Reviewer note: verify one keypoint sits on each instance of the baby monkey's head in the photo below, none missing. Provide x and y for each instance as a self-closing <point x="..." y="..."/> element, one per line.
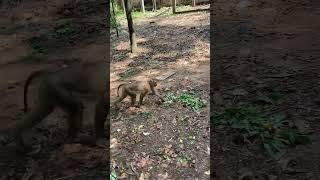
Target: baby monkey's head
<point x="153" y="82"/>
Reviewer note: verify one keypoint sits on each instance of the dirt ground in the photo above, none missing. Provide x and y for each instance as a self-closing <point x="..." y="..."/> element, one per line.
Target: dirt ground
<point x="158" y="141"/>
<point x="259" y="48"/>
<point x="35" y="35"/>
<point x="154" y="141"/>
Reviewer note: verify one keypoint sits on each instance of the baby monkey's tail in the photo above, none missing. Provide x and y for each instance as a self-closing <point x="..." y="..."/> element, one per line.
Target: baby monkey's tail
<point x="119" y="88"/>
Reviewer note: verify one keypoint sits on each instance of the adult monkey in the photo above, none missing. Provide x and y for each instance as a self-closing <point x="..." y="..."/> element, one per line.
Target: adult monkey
<point x="63" y="89"/>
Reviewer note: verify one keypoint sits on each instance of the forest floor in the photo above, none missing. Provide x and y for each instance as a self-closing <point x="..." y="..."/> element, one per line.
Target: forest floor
<point x="163" y="140"/>
<point x="37" y="35"/>
<point x="168" y="140"/>
<point x="265" y="96"/>
<point x="265" y="91"/>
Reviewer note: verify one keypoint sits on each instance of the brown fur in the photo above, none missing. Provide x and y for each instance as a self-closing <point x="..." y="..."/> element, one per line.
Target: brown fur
<point x="58" y="89"/>
<point x="133" y="89"/>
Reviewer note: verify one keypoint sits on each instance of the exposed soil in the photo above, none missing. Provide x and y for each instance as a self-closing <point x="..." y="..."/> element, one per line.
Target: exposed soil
<point x="156" y="141"/>
<point x="258" y="47"/>
<point x="23" y="24"/>
<point x="263" y="47"/>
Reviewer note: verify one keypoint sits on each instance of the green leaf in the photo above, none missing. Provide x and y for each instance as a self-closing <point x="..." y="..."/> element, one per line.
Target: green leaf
<point x="277" y="145"/>
<point x="113" y="175"/>
<point x="268" y="148"/>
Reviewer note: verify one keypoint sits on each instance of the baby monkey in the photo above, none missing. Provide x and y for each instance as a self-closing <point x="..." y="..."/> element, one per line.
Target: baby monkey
<point x="133" y="89"/>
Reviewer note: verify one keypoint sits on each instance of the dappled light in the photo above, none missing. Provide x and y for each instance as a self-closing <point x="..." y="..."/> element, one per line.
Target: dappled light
<point x="170" y="139"/>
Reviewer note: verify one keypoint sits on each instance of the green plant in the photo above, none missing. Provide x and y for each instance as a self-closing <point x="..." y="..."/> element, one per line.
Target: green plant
<point x="170" y="98"/>
<point x="270" y="131"/>
<point x="129" y="72"/>
<point x="137" y="14"/>
<point x="183" y="158"/>
<point x="60" y="35"/>
<point x="146" y="114"/>
<point x="114" y="12"/>
<point x="113" y="175"/>
<point x="187" y="99"/>
<point x="191" y="101"/>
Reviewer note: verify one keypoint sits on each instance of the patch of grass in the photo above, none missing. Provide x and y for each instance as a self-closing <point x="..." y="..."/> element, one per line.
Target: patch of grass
<point x="191" y="139"/>
<point x="187" y="99"/>
<point x="137" y="14"/>
<point x="270" y="130"/>
<point x="184" y="8"/>
<point x="113" y="175"/>
<point x="274" y="98"/>
<point x="129" y="72"/>
<point x="183" y="160"/>
<point x="146" y="114"/>
<point x="61" y="35"/>
<point x="170" y="98"/>
<point x="113" y="17"/>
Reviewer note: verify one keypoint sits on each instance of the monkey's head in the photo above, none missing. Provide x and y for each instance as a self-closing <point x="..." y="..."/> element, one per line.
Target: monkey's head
<point x="153" y="82"/>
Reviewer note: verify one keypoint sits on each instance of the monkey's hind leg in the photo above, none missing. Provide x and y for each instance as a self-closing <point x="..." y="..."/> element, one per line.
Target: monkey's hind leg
<point x="133" y="99"/>
<point x="41" y="111"/>
<point x="122" y="96"/>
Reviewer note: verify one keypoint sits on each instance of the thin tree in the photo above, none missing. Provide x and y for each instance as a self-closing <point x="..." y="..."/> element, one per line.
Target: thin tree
<point x="154" y="5"/>
<point x="114" y="17"/>
<point x="132" y="34"/>
<point x="142" y="6"/>
<point x="123" y="6"/>
<point x="174" y="4"/>
<point x="193" y="3"/>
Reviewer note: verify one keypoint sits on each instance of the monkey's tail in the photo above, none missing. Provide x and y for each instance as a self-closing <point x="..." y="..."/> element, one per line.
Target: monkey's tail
<point x="26" y="87"/>
<point x="118" y="89"/>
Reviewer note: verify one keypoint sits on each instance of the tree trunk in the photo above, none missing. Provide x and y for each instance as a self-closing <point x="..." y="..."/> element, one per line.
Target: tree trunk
<point x="132" y="35"/>
<point x="193" y="3"/>
<point x="142" y="6"/>
<point x="114" y="16"/>
<point x="123" y="6"/>
<point x="173" y="6"/>
<point x="154" y="5"/>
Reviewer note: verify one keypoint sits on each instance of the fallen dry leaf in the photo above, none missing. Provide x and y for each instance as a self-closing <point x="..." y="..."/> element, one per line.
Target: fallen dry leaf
<point x="144" y="162"/>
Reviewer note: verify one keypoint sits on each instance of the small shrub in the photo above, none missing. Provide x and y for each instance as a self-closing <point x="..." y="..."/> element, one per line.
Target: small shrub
<point x="270" y="131"/>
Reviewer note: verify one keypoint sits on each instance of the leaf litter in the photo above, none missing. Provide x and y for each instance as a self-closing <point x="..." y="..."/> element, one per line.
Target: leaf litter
<point x="152" y="142"/>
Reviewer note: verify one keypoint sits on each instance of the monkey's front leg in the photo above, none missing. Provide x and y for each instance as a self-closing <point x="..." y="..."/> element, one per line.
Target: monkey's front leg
<point x="159" y="96"/>
<point x="74" y="107"/>
<point x="22" y="147"/>
<point x="122" y="96"/>
<point x="101" y="114"/>
<point x="155" y="92"/>
<point x="75" y="122"/>
<point x="99" y="123"/>
<point x="162" y="100"/>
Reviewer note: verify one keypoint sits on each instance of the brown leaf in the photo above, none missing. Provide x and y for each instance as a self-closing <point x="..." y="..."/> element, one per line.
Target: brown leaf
<point x="144" y="162"/>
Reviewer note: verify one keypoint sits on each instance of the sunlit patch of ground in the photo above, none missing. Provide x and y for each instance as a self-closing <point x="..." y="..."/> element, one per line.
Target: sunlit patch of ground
<point x="159" y="140"/>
